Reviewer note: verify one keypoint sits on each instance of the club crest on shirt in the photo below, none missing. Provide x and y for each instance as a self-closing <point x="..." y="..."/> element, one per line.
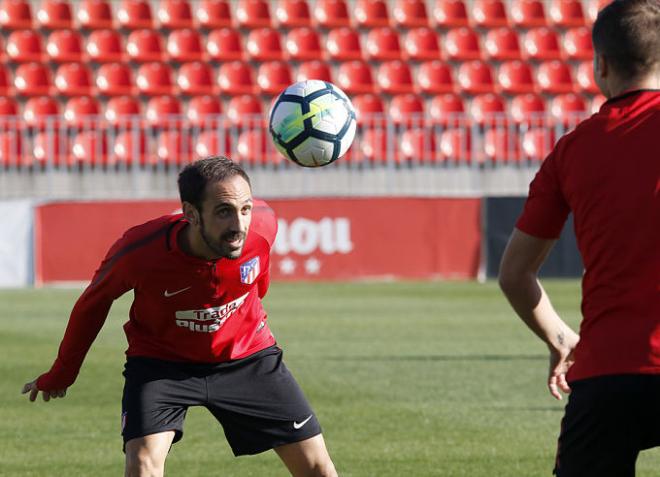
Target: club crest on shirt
<point x="250" y="270"/>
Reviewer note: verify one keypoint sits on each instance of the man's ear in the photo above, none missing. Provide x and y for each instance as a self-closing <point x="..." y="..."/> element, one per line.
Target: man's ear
<point x="191" y="213"/>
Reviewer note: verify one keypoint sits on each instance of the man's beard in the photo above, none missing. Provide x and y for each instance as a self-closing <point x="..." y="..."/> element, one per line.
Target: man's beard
<point x="217" y="246"/>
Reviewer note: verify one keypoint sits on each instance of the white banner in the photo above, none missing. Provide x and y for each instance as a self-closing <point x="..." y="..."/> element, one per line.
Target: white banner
<point x="16" y="243"/>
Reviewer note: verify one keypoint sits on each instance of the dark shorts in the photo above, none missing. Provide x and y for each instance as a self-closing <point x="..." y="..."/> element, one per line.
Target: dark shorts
<point x="608" y="421"/>
<point x="256" y="400"/>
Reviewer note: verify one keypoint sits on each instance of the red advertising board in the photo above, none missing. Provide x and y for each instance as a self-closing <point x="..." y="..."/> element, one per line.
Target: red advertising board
<point x="318" y="239"/>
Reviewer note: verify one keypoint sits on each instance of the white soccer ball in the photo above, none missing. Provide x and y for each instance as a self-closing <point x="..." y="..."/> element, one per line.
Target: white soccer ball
<point x="312" y="123"/>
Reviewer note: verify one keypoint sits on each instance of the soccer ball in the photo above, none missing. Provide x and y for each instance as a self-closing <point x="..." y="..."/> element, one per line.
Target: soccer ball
<point x="312" y="123"/>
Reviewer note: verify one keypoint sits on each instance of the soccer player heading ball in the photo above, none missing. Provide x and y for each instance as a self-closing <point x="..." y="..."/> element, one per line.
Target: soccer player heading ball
<point x="607" y="173"/>
<point x="197" y="332"/>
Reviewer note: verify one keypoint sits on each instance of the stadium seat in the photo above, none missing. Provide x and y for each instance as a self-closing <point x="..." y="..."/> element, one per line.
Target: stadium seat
<point x="135" y="14"/>
<point x="236" y="77"/>
<point x="74" y="79"/>
<point x="541" y="44"/>
<point x="245" y="110"/>
<point x="274" y="76"/>
<point x="422" y="44"/>
<point x="95" y="15"/>
<point x="264" y="44"/>
<point x="593" y="7"/>
<point x="489" y="13"/>
<point x="446" y="109"/>
<point x="450" y="13"/>
<point x="568" y="109"/>
<point x="596" y="102"/>
<point x="81" y="112"/>
<point x="529" y="108"/>
<point x="123" y="111"/>
<point x="50" y="148"/>
<point x="410" y="14"/>
<point x="371" y="13"/>
<point x="89" y="148"/>
<point x="488" y="108"/>
<point x="213" y="142"/>
<point x="528" y="13"/>
<point x="456" y="145"/>
<point x="434" y="77"/>
<point x="164" y="112"/>
<point x="369" y="108"/>
<point x="502" y="44"/>
<point x="315" y="69"/>
<point x="3" y="51"/>
<point x="6" y="82"/>
<point x="11" y="145"/>
<point x="173" y="148"/>
<point x="15" y="14"/>
<point x="8" y="107"/>
<point x="213" y="14"/>
<point x="64" y="46"/>
<point x="41" y="111"/>
<point x="225" y="44"/>
<point x="566" y="13"/>
<point x="501" y="144"/>
<point x="373" y="145"/>
<point x="204" y="111"/>
<point x="105" y="46"/>
<point x="419" y="145"/>
<point x="577" y="44"/>
<point x="516" y="77"/>
<point x="476" y="77"/>
<point x="131" y="147"/>
<point x="145" y="45"/>
<point x="175" y="14"/>
<point x="395" y="77"/>
<point x="303" y="43"/>
<point x="33" y="79"/>
<point x="24" y="46"/>
<point x="185" y="45"/>
<point x="584" y="78"/>
<point x="407" y="109"/>
<point x="383" y="44"/>
<point x="196" y="77"/>
<point x="344" y="44"/>
<point x="253" y="14"/>
<point x="554" y="77"/>
<point x="462" y="44"/>
<point x="331" y="13"/>
<point x="55" y="14"/>
<point x="537" y="143"/>
<point x="256" y="148"/>
<point x="115" y="79"/>
<point x="355" y="77"/>
<point x="293" y="13"/>
<point x="155" y="79"/>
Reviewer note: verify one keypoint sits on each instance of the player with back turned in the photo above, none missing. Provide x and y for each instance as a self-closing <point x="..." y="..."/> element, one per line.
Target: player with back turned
<point x="607" y="173"/>
<point x="197" y="332"/>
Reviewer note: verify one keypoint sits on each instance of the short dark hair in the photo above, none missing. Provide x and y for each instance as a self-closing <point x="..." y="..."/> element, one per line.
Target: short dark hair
<point x="195" y="176"/>
<point x="627" y="34"/>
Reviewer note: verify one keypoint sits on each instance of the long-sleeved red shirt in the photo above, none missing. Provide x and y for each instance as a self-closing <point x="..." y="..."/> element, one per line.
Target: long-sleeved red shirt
<point x="184" y="308"/>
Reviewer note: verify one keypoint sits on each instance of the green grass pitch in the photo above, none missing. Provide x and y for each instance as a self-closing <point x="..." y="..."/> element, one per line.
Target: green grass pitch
<point x="408" y="379"/>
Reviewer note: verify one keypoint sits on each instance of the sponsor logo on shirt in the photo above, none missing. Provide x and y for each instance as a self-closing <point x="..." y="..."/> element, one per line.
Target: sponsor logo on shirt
<point x="208" y="320"/>
<point x="250" y="270"/>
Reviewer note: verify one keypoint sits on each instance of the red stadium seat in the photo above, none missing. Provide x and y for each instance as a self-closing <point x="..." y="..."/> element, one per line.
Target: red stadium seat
<point x="25" y="46"/>
<point x="131" y="147"/>
<point x="373" y="145"/>
<point x="502" y="44"/>
<point x="164" y="111"/>
<point x="584" y="78"/>
<point x="155" y="79"/>
<point x="315" y="69"/>
<point x="213" y="14"/>
<point x="537" y="143"/>
<point x="3" y="58"/>
<point x="175" y="14"/>
<point x="15" y="14"/>
<point x="89" y="148"/>
<point x="577" y="44"/>
<point x="446" y="109"/>
<point x="422" y="44"/>
<point x="293" y="13"/>
<point x="145" y="45"/>
<point x="256" y="147"/>
<point x="11" y="145"/>
<point x="8" y="107"/>
<point x="135" y="14"/>
<point x="410" y="13"/>
<point x="123" y="111"/>
<point x="450" y="13"/>
<point x="528" y="13"/>
<point x="419" y="145"/>
<point x="41" y="111"/>
<point x="501" y="144"/>
<point x="50" y="148"/>
<point x="331" y="13"/>
<point x="489" y="13"/>
<point x="225" y="44"/>
<point x="105" y="46"/>
<point x="462" y="44"/>
<point x="566" y="13"/>
<point x="204" y="111"/>
<point x="541" y="44"/>
<point x="488" y="108"/>
<point x="569" y="109"/>
<point x="253" y="14"/>
<point x="54" y="14"/>
<point x="274" y="76"/>
<point x="595" y="6"/>
<point x="196" y="77"/>
<point x="383" y="44"/>
<point x="435" y="77"/>
<point x="74" y="79"/>
<point x="174" y="148"/>
<point x="64" y="46"/>
<point x="115" y="79"/>
<point x="476" y="77"/>
<point x="245" y="110"/>
<point x="95" y="15"/>
<point x="304" y="43"/>
<point x="516" y="77"/>
<point x="596" y="102"/>
<point x="236" y="77"/>
<point x="371" y="13"/>
<point x="185" y="45"/>
<point x="395" y="77"/>
<point x="81" y="112"/>
<point x="344" y="44"/>
<point x="6" y="82"/>
<point x="213" y="142"/>
<point x="33" y="79"/>
<point x="264" y="44"/>
<point x="355" y="77"/>
<point x="456" y="145"/>
<point x="407" y="109"/>
<point x="529" y="108"/>
<point x="368" y="107"/>
<point x="554" y="77"/>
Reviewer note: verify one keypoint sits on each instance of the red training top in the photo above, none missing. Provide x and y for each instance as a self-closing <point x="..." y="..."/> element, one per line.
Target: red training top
<point x="184" y="308"/>
<point x="607" y="172"/>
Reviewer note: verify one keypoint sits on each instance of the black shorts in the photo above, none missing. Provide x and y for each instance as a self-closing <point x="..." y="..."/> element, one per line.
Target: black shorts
<point x="608" y="421"/>
<point x="256" y="400"/>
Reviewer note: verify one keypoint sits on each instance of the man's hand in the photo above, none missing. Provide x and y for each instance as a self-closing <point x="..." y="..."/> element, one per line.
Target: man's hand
<point x="561" y="359"/>
<point x="32" y="388"/>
